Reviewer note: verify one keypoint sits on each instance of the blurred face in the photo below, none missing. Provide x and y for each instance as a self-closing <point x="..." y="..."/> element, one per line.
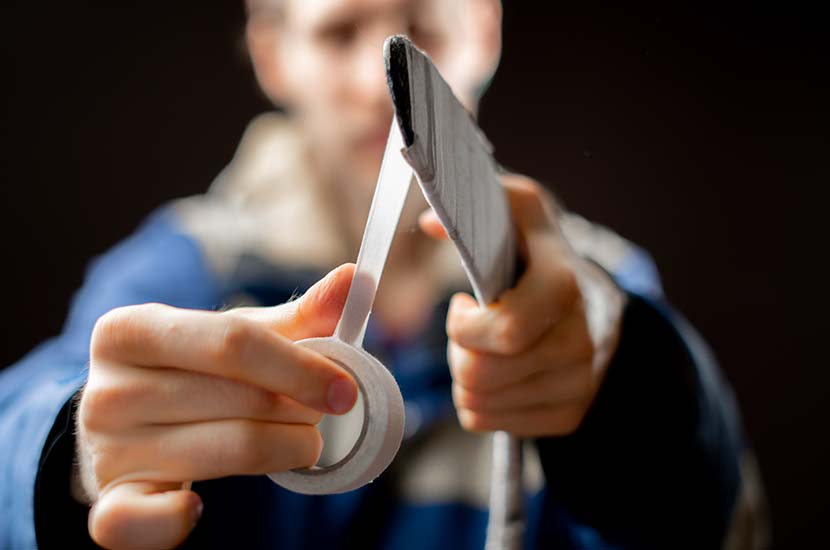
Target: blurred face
<point x="323" y="61"/>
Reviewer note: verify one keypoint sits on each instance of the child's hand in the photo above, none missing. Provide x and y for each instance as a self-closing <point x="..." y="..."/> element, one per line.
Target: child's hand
<point x="532" y="362"/>
<point x="180" y="395"/>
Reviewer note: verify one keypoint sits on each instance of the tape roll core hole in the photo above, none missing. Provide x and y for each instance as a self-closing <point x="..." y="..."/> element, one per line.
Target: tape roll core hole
<point x="342" y="434"/>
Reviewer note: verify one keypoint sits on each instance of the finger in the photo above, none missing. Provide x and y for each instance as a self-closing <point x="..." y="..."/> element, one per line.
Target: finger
<point x="207" y="450"/>
<point x="565" y="345"/>
<point x="542" y="297"/>
<point x="531" y="422"/>
<point x="548" y="388"/>
<point x="146" y="396"/>
<point x="545" y="293"/>
<point x="547" y="289"/>
<point x="315" y="313"/>
<point x="431" y="225"/>
<point x="228" y="346"/>
<point x="144" y="515"/>
<point x="531" y="205"/>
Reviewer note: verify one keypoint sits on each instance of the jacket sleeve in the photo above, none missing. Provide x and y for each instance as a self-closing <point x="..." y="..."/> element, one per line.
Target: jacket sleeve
<point x="156" y="264"/>
<point x="657" y="462"/>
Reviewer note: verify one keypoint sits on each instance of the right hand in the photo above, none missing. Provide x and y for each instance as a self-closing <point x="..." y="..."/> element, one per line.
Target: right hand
<point x="179" y="395"/>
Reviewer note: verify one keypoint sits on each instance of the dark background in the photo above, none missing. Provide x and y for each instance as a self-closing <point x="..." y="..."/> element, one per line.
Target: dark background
<point x="700" y="135"/>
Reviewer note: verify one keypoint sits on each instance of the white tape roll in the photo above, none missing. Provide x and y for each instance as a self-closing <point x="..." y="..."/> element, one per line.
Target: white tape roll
<point x="383" y="412"/>
<point x="381" y="434"/>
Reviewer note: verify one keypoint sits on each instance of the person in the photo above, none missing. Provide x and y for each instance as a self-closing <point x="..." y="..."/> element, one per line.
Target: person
<point x="633" y="439"/>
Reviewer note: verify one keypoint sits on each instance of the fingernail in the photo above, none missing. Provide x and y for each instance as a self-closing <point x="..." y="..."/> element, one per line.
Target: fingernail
<point x="341" y="396"/>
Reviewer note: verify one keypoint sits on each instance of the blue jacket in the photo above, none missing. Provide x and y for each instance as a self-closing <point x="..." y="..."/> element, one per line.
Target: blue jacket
<point x="655" y="464"/>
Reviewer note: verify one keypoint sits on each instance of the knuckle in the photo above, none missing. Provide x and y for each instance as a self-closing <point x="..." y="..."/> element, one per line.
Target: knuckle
<point x="463" y="399"/>
<point x="111" y="331"/>
<point x="110" y="397"/>
<point x="99" y="404"/>
<point x="260" y="402"/>
<point x="469" y="372"/>
<point x="472" y="421"/>
<point x="235" y="341"/>
<point x="534" y="194"/>
<point x="455" y="354"/>
<point x="522" y="183"/>
<point x="511" y="334"/>
<point x="454" y="327"/>
<point x="117" y="331"/>
<point x="459" y="318"/>
<point x="475" y="402"/>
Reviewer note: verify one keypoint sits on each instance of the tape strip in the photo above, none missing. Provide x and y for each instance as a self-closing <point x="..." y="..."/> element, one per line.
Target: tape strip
<point x="458" y="177"/>
<point x="383" y="411"/>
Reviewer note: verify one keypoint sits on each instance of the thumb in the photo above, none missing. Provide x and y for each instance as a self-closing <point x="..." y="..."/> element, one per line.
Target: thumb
<point x="315" y="313"/>
<point x="141" y="514"/>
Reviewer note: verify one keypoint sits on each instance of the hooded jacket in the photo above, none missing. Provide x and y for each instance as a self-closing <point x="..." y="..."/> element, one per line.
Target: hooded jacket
<point x="658" y="462"/>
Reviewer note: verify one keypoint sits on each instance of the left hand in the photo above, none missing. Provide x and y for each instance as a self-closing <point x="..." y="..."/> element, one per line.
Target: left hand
<point x="532" y="362"/>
